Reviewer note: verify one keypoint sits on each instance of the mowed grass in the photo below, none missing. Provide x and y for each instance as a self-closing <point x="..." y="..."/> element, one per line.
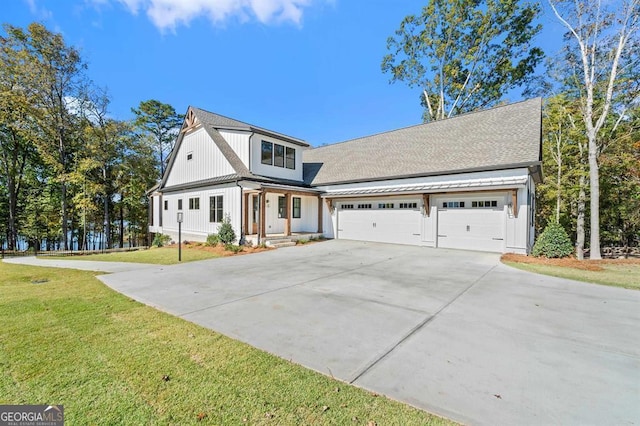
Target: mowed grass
<point x="155" y="255"/>
<point x="623" y="275"/>
<point x="68" y="339"/>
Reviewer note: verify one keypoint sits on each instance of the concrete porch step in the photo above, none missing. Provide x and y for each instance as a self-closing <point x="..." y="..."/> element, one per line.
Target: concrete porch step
<point x="280" y="243"/>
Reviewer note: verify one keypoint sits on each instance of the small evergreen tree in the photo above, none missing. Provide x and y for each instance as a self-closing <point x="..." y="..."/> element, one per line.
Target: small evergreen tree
<point x="553" y="242"/>
<point x="226" y="234"/>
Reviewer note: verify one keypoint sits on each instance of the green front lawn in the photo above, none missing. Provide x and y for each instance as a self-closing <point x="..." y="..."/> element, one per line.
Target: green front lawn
<point x="618" y="275"/>
<point x="68" y="339"/>
<point x="155" y="255"/>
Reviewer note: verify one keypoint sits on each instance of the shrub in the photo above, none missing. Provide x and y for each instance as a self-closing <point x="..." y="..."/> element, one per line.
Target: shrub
<point x="226" y="234"/>
<point x="160" y="240"/>
<point x="213" y="240"/>
<point x="234" y="248"/>
<point x="553" y="242"/>
<point x="302" y="241"/>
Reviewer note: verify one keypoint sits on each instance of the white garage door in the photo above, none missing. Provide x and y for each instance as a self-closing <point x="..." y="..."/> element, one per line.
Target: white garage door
<point x="471" y="223"/>
<point x="380" y="221"/>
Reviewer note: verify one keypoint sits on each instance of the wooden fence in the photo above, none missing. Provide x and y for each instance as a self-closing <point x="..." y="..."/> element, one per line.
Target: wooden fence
<point x="58" y="253"/>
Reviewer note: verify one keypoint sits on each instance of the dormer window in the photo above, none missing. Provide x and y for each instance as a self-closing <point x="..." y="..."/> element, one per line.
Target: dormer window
<point x="274" y="154"/>
<point x="291" y="158"/>
<point x="267" y="153"/>
<point x="278" y="155"/>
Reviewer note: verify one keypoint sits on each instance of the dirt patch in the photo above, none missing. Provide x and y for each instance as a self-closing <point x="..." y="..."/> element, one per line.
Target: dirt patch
<point x="569" y="262"/>
<point x="220" y="250"/>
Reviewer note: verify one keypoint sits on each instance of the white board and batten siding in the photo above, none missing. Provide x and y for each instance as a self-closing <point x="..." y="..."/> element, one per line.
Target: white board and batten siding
<point x="307" y="222"/>
<point x="196" y="225"/>
<point x="260" y="169"/>
<point x="239" y="142"/>
<point x="198" y="158"/>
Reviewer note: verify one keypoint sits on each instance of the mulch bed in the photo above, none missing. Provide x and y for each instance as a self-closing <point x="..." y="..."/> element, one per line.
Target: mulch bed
<point x="220" y="250"/>
<point x="569" y="262"/>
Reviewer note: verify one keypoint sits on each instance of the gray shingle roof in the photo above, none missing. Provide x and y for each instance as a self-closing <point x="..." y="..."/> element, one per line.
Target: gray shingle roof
<point x="218" y="121"/>
<point x="498" y="138"/>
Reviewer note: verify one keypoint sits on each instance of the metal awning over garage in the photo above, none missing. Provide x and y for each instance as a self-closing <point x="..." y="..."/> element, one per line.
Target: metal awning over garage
<point x="453" y="185"/>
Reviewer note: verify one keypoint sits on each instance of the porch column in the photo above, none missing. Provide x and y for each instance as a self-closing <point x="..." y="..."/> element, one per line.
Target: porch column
<point x="320" y="209"/>
<point x="246" y="214"/>
<point x="263" y="208"/>
<point x="287" y="208"/>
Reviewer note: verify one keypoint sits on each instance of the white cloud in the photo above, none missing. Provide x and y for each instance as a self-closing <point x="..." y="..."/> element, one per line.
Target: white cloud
<point x="169" y="14"/>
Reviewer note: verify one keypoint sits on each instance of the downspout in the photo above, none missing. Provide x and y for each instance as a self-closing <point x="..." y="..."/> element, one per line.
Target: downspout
<point x="241" y="239"/>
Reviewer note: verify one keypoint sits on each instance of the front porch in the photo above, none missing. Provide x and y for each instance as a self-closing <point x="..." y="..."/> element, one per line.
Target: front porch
<point x="284" y="213"/>
<point x="279" y="239"/>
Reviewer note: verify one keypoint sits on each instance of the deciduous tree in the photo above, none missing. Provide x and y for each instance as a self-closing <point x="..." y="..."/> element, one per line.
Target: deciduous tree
<point x="464" y="54"/>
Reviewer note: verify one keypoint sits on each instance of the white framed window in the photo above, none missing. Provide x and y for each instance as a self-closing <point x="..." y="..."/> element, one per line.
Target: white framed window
<point x="346" y="206"/>
<point x="189" y="156"/>
<point x="386" y="205"/>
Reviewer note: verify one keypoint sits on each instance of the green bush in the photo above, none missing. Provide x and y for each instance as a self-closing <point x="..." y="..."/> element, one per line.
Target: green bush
<point x="160" y="240"/>
<point x="234" y="248"/>
<point x="553" y="242"/>
<point x="226" y="234"/>
<point x="213" y="240"/>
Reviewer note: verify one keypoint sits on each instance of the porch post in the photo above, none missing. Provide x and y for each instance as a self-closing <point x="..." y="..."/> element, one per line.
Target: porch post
<point x="320" y="209"/>
<point x="247" y="231"/>
<point x="287" y="207"/>
<point x="263" y="205"/>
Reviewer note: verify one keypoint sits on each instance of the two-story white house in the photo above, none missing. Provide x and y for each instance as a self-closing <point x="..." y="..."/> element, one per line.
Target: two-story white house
<point x="466" y="182"/>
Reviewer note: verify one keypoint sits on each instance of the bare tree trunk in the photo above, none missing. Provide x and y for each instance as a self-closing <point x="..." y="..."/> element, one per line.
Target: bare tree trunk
<point x="121" y="226"/>
<point x="594" y="183"/>
<point x="582" y="196"/>
<point x="558" y="179"/>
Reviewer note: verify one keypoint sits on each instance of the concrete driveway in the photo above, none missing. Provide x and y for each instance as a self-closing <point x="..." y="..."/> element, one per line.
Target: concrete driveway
<point x="455" y="333"/>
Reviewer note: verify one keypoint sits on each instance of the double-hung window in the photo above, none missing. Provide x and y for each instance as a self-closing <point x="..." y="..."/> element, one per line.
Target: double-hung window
<point x="215" y="209"/>
<point x="194" y="203"/>
<point x="297" y="207"/>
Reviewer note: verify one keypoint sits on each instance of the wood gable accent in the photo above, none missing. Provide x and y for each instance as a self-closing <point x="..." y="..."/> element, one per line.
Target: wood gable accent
<point x="190" y="122"/>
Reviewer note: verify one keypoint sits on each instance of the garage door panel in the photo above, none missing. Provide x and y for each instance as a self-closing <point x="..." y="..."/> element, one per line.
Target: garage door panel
<point x="400" y="226"/>
<point x="472" y="228"/>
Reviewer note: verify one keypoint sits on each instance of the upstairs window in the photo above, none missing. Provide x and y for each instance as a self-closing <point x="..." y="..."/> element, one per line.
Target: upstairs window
<point x="291" y="158"/>
<point x="297" y="207"/>
<point x="189" y="156"/>
<point x="267" y="153"/>
<point x="194" y="203"/>
<point x="278" y="155"/>
<point x="215" y="209"/>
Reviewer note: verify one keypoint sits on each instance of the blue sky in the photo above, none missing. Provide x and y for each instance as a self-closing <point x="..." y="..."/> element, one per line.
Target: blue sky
<point x="307" y="68"/>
